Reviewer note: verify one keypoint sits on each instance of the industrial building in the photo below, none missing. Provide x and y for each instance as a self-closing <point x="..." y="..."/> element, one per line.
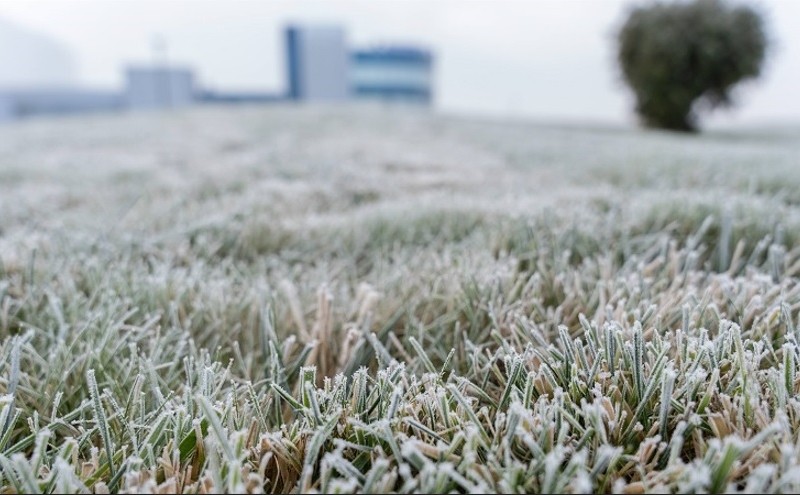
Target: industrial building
<point x="392" y="74"/>
<point x="145" y="88"/>
<point x="320" y="67"/>
<point x="317" y="63"/>
<point x="21" y="103"/>
<point x="149" y="87"/>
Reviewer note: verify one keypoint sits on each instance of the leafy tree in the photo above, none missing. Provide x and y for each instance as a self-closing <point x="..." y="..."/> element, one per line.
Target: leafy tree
<point x="680" y="57"/>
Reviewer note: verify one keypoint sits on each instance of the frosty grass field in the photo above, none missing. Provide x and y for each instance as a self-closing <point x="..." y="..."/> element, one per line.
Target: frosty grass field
<point x="276" y="299"/>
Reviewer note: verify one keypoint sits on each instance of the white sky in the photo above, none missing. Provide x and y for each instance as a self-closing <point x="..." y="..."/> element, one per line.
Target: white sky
<point x="542" y="59"/>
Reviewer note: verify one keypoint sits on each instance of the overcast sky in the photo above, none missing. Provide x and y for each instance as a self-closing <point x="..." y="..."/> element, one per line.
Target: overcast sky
<point x="542" y="59"/>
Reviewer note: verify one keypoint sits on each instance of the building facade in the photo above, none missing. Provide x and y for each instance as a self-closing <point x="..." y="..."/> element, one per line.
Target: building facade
<point x="392" y="74"/>
<point x="159" y="87"/>
<point x="320" y="67"/>
<point x="317" y="63"/>
<point x="31" y="102"/>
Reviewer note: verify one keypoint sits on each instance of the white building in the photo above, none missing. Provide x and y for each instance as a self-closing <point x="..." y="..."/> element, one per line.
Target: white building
<point x="317" y="63"/>
<point x="159" y="87"/>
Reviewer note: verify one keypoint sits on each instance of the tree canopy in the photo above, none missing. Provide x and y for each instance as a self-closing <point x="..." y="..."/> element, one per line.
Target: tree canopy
<point x="679" y="57"/>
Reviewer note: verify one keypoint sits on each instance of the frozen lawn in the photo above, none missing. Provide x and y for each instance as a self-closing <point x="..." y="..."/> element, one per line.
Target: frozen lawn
<point x="345" y="300"/>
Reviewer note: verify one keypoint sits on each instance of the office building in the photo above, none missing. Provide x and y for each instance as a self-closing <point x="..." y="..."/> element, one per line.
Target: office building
<point x="392" y="74"/>
<point x="317" y="63"/>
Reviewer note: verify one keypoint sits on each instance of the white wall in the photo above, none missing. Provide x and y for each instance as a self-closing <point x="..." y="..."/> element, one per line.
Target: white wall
<point x="324" y="64"/>
<point x="158" y="87"/>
